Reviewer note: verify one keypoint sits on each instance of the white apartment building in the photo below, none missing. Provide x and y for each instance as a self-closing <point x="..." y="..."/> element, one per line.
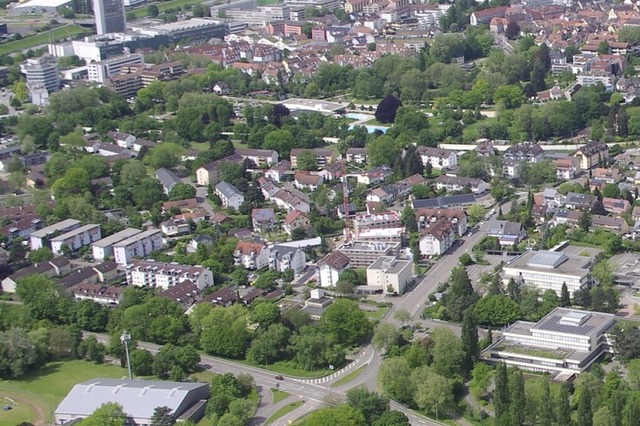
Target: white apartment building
<point x="101" y="71"/>
<point x="437" y="157"/>
<point x="282" y="258"/>
<point x="549" y="270"/>
<point x="390" y="274"/>
<point x="229" y="195"/>
<point x="251" y="255"/>
<point x="41" y="237"/>
<point x="436" y="238"/>
<point x="140" y="245"/>
<point x="329" y="268"/>
<point x="76" y="238"/>
<point x="104" y="247"/>
<point x="152" y="274"/>
<point x="566" y="341"/>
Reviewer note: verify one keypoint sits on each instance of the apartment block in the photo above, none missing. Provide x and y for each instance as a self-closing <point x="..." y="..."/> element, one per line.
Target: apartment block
<point x="389" y="274"/>
<point x="140" y="245"/>
<point x="77" y="238"/>
<point x="152" y="274"/>
<point x="101" y="71"/>
<point x="42" y="237"/>
<point x="104" y="247"/>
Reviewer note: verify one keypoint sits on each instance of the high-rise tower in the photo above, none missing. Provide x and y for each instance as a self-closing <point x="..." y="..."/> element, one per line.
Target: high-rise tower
<point x="109" y="16"/>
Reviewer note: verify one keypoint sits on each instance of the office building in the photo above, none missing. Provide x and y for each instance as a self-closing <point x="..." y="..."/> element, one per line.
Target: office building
<point x="152" y="274"/>
<point x="138" y="399"/>
<point x="140" y="245"/>
<point x="566" y="341"/>
<point x="76" y="238"/>
<point x="104" y="247"/>
<point x="101" y="71"/>
<point x="41" y="237"/>
<point x="389" y="274"/>
<point x="109" y="16"/>
<point x="42" y="71"/>
<point x="362" y="254"/>
<point x="549" y="270"/>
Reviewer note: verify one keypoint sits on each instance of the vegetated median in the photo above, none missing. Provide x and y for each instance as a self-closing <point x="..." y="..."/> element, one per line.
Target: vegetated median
<point x="349" y="377"/>
<point x="42" y="38"/>
<point x="284" y="411"/>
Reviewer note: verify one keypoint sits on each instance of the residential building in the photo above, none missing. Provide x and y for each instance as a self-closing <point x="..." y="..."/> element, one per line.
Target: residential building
<point x="565" y="341"/>
<point x="185" y="293"/>
<point x="390" y="274"/>
<point x="461" y="184"/>
<point x="616" y="225"/>
<point x="448" y="202"/>
<point x="576" y="201"/>
<point x="436" y="238"/>
<point x="208" y="174"/>
<point x="190" y="204"/>
<point x="278" y="172"/>
<point x="437" y="157"/>
<point x="357" y="155"/>
<point x="457" y="218"/>
<point x="565" y="216"/>
<point x="592" y="154"/>
<point x="361" y="254"/>
<point x="329" y="268"/>
<point x="104" y="248"/>
<point x="110" y="16"/>
<point x="75" y="239"/>
<point x="102" y="71"/>
<point x="224" y="297"/>
<point x="485" y="16"/>
<point x="282" y="258"/>
<point x="41" y="238"/>
<point x="260" y="157"/>
<point x="609" y="175"/>
<point x="635" y="213"/>
<point x="168" y="179"/>
<point x="374" y="176"/>
<point x="100" y="293"/>
<point x="22" y="228"/>
<point x="567" y="168"/>
<point x="383" y="220"/>
<point x="324" y="156"/>
<point x="308" y="181"/>
<point x="175" y="227"/>
<point x="229" y="195"/>
<point x="139" y="245"/>
<point x="152" y="274"/>
<point x="251" y="255"/>
<point x="616" y="206"/>
<point x="507" y="233"/>
<point x="42" y="71"/>
<point x="263" y="220"/>
<point x="138" y="399"/>
<point x="295" y="220"/>
<point x="53" y="268"/>
<point x="529" y="152"/>
<point x="550" y="270"/>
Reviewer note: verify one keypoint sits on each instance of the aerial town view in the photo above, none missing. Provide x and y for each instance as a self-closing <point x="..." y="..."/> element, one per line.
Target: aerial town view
<point x="320" y="212"/>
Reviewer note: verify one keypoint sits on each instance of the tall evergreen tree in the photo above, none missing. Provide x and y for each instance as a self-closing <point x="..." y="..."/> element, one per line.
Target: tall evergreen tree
<point x="513" y="290"/>
<point x="501" y="393"/>
<point x="546" y="413"/>
<point x="565" y="298"/>
<point x="585" y="415"/>
<point x="518" y="400"/>
<point x="618" y="402"/>
<point x="563" y="407"/>
<point x="470" y="338"/>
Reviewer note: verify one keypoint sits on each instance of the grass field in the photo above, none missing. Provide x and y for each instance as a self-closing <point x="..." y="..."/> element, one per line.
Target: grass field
<point x="377" y="314"/>
<point x="40" y="392"/>
<point x="349" y="377"/>
<point x="42" y="38"/>
<point x="288" y="369"/>
<point x="279" y="395"/>
<point x="283" y="411"/>
<point x="142" y="12"/>
<point x="267" y="2"/>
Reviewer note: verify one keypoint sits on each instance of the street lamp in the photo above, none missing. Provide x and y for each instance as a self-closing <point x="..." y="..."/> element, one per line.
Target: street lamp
<point x="125" y="337"/>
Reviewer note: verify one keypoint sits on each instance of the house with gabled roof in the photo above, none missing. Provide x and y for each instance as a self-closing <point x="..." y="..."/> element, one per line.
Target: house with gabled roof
<point x="329" y="268"/>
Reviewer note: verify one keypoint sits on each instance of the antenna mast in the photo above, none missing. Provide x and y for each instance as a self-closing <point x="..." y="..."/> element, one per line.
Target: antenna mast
<point x="345" y="203"/>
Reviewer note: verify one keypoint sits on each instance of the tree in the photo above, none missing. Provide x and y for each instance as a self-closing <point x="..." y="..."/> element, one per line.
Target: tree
<point x="448" y="353"/>
<point x="603" y="417"/>
<point x="40" y="255"/>
<point x="383" y="150"/>
<point x="392" y="418"/>
<point x="269" y="345"/>
<point x="92" y="350"/>
<point x="565" y="298"/>
<point x="512" y="30"/>
<point x="387" y="108"/>
<point x="470" y="338"/>
<point x="546" y="408"/>
<point x="370" y="404"/>
<point x="346" y="322"/>
<point x="343" y="415"/>
<point x="563" y="415"/>
<point x="585" y="415"/>
<point x="480" y="379"/>
<point x="306" y="161"/>
<point x="433" y="392"/>
<point x="166" y="154"/>
<point x="385" y="336"/>
<point x="182" y="191"/>
<point x="395" y="375"/>
<point x="141" y="362"/>
<point x="162" y="417"/>
<point x="496" y="310"/>
<point x="501" y="394"/>
<point x="402" y="315"/>
<point x="265" y="314"/>
<point x="17" y="353"/>
<point x="517" y="399"/>
<point x="108" y="414"/>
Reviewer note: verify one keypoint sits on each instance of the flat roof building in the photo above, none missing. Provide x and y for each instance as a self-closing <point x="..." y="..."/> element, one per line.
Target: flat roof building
<point x="564" y="341"/>
<point x="389" y="274"/>
<point x="41" y="237"/>
<point x="110" y="16"/>
<point x="138" y="398"/>
<point x="549" y="270"/>
<point x="76" y="238"/>
<point x="140" y="245"/>
<point x="362" y="254"/>
<point x="104" y="248"/>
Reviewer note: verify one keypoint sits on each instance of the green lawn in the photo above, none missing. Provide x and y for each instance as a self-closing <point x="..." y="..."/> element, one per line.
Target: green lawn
<point x="288" y="368"/>
<point x="41" y="391"/>
<point x="349" y="377"/>
<point x="283" y="411"/>
<point x="172" y="4"/>
<point x="279" y="395"/>
<point x="42" y="38"/>
<point x="377" y="314"/>
<point x="267" y="2"/>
